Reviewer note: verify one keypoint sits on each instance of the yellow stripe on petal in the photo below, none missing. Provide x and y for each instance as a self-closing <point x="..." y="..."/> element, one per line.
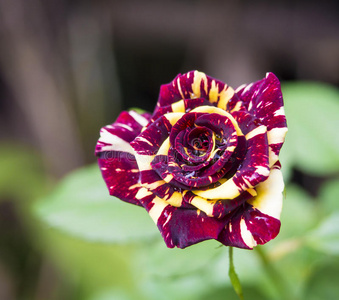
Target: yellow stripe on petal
<point x="228" y="190"/>
<point x="142" y="193"/>
<point x="164" y="148"/>
<point x="270" y="195"/>
<point x="247" y="235"/>
<point x="152" y="186"/>
<point x="175" y="199"/>
<point x="252" y="192"/>
<point x="168" y="178"/>
<point x="276" y="135"/>
<point x="257" y="131"/>
<point x="157" y="209"/>
<point x="144" y="161"/>
<point x="204" y="205"/>
<point x="214" y="92"/>
<point x="178" y="107"/>
<point x="173" y="117"/>
<point x="198" y="77"/>
<point x="116" y="143"/>
<point x="237" y="106"/>
<point x="225" y="96"/>
<point x="216" y="110"/>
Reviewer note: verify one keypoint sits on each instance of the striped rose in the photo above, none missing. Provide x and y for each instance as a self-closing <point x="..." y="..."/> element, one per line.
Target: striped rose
<point x="205" y="164"/>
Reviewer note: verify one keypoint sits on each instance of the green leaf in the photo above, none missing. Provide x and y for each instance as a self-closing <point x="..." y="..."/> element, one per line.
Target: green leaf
<point x="81" y="206"/>
<point x="325" y="237"/>
<point x="323" y="284"/>
<point x="167" y="274"/>
<point x="299" y="213"/>
<point x="312" y="111"/>
<point x="328" y="196"/>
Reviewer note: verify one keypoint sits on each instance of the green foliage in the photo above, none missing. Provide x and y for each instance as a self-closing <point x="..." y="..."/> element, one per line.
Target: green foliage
<point x="325" y="237"/>
<point x="81" y="206"/>
<point x="312" y="143"/>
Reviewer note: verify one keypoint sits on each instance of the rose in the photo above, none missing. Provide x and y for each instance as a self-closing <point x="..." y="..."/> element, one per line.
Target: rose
<point x="205" y="163"/>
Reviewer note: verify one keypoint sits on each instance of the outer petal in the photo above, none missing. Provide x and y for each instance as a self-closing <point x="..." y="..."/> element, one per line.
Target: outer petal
<point x="116" y="157"/>
<point x="257" y="222"/>
<point x="178" y="226"/>
<point x="193" y="85"/>
<point x="264" y="100"/>
<point x="121" y="174"/>
<point x="117" y="136"/>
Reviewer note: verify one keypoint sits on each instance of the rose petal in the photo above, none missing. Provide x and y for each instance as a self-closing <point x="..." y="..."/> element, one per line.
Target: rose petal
<point x="193" y="85"/>
<point x="118" y="135"/>
<point x="181" y="106"/>
<point x="263" y="99"/>
<point x="121" y="174"/>
<point x="180" y="227"/>
<point x="270" y="194"/>
<point x="217" y="208"/>
<point x="253" y="170"/>
<point x="116" y="157"/>
<point x="258" y="221"/>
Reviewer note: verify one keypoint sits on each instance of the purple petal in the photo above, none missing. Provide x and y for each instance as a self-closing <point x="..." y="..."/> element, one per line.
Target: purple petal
<point x="193" y="85"/>
<point x="149" y="141"/>
<point x="122" y="131"/>
<point x="121" y="174"/>
<point x="179" y="227"/>
<point x="182" y="106"/>
<point x="116" y="157"/>
<point x="253" y="169"/>
<point x="263" y="99"/>
<point x="249" y="227"/>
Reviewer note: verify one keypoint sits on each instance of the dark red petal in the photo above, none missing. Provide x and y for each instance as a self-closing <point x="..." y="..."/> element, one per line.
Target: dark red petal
<point x="193" y="85"/>
<point x="179" y="227"/>
<point x="184" y="227"/>
<point x="182" y="106"/>
<point x="116" y="157"/>
<point x="127" y="126"/>
<point x="121" y="174"/>
<point x="264" y="100"/>
<point x="249" y="227"/>
<point x="149" y="141"/>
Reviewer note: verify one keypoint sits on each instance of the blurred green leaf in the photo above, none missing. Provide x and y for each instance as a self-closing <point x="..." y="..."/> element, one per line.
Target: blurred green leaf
<point x="325" y="237"/>
<point x="180" y="273"/>
<point x="91" y="267"/>
<point x="251" y="293"/>
<point x="110" y="294"/>
<point x="194" y="271"/>
<point x="323" y="284"/>
<point x="312" y="111"/>
<point x="328" y="196"/>
<point x="81" y="206"/>
<point x="299" y="213"/>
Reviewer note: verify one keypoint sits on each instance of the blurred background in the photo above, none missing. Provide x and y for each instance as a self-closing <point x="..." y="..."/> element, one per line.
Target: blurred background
<point x="68" y="67"/>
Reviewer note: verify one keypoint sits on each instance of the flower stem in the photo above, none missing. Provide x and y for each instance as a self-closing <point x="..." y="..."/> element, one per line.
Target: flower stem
<point x="233" y="276"/>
